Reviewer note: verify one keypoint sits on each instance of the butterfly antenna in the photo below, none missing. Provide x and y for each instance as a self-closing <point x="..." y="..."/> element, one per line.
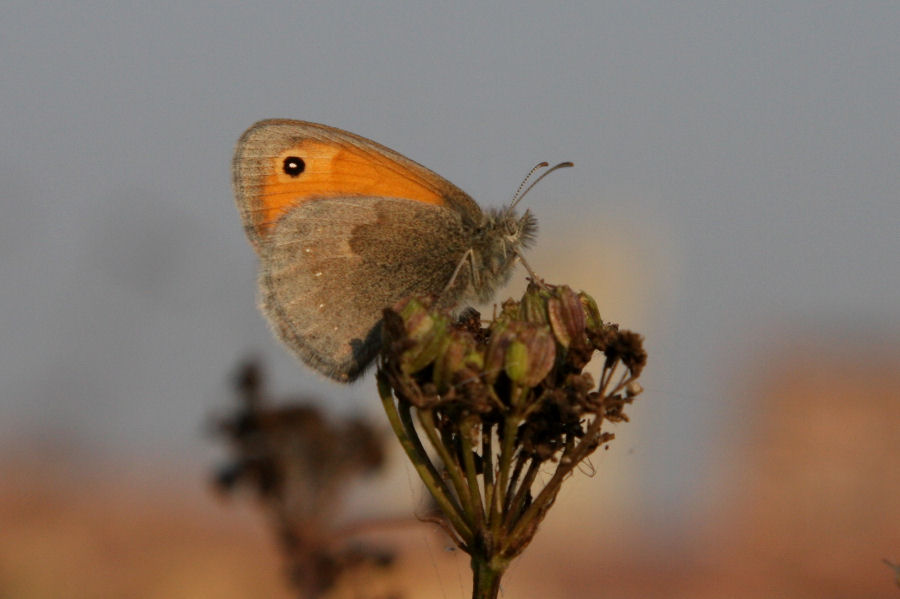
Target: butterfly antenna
<point x="521" y="195"/>
<point x="516" y="197"/>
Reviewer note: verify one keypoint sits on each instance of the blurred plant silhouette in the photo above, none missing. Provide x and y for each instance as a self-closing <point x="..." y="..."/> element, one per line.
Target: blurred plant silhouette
<point x="298" y="465"/>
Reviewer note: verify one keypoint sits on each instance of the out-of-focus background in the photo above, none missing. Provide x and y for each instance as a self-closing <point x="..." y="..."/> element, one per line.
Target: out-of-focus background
<point x="736" y="198"/>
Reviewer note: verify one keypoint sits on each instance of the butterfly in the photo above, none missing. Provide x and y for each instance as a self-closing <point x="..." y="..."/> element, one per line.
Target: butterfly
<point x="345" y="227"/>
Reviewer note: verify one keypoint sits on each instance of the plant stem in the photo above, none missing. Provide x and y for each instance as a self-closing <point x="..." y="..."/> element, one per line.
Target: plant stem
<point x="486" y="580"/>
<point x="451" y="466"/>
<point x="416" y="453"/>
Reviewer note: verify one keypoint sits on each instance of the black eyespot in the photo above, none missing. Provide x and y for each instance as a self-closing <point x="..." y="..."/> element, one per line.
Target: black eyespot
<point x="293" y="166"/>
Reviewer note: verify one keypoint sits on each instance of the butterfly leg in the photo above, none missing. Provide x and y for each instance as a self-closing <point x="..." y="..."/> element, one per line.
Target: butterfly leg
<point x="468" y="256"/>
<point x="534" y="277"/>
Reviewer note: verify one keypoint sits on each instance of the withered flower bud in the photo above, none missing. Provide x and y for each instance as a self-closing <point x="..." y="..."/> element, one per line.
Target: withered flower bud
<point x="530" y="355"/>
<point x="627" y="347"/>
<point x="426" y="331"/>
<point x="460" y="355"/>
<point x="567" y="317"/>
<point x="534" y="304"/>
<point x="591" y="311"/>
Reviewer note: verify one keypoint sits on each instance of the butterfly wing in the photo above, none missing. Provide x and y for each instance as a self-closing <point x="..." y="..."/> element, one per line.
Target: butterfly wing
<point x="329" y="268"/>
<point x="280" y="164"/>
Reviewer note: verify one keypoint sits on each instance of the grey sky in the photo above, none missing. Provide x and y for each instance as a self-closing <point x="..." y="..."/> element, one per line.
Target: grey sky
<point x="750" y="153"/>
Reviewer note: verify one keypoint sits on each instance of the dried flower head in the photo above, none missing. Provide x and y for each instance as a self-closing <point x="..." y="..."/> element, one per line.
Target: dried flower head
<point x="498" y="402"/>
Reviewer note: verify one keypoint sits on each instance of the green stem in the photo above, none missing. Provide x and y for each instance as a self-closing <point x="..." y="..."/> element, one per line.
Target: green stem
<point x="521" y="458"/>
<point x="487" y="459"/>
<point x="426" y="419"/>
<point x="486" y="575"/>
<point x="572" y="456"/>
<point x="468" y="457"/>
<point x="416" y="454"/>
<point x="514" y="509"/>
<point x="507" y="450"/>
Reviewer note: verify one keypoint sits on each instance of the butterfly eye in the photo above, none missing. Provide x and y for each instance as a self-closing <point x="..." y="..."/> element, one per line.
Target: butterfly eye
<point x="293" y="166"/>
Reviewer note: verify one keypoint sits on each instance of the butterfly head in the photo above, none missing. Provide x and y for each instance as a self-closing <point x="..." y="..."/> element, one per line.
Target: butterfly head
<point x="499" y="242"/>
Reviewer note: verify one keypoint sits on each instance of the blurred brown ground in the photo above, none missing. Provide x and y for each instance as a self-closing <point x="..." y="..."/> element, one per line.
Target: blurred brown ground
<point x="812" y="506"/>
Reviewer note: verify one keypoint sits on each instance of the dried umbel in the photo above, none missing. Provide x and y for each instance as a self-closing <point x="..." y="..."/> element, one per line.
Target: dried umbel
<point x="299" y="464"/>
<point x="500" y="403"/>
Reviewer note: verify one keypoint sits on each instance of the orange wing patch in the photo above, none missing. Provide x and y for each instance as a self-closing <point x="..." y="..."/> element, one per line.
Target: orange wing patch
<point x="330" y="170"/>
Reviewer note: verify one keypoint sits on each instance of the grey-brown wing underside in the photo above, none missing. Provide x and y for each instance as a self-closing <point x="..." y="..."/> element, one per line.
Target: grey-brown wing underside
<point x="332" y="266"/>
